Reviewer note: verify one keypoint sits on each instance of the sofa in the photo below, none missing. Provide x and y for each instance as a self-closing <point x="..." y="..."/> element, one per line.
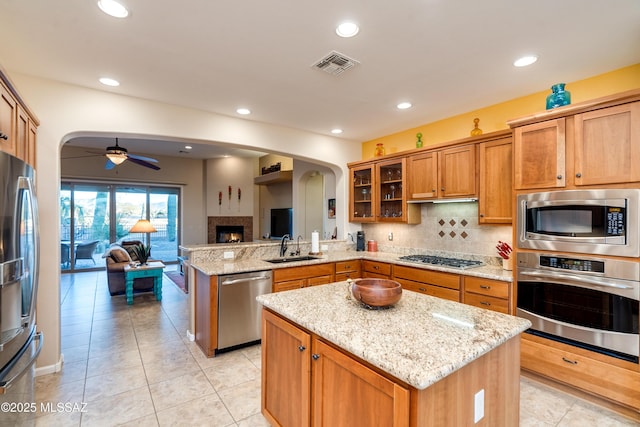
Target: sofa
<point x="117" y="256"/>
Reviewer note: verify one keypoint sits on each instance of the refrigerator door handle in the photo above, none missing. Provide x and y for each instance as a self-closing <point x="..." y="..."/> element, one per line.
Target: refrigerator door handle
<point x="26" y="184"/>
<point x="4" y="385"/>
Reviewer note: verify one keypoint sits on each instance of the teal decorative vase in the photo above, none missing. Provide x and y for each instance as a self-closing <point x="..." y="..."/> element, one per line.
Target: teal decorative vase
<point x="558" y="97"/>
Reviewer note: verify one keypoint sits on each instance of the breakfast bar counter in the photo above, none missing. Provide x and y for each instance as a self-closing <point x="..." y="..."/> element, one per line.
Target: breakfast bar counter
<point x="462" y="357"/>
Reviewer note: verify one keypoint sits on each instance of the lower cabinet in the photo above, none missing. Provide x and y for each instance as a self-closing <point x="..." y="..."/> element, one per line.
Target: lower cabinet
<point x="206" y="312"/>
<point x="487" y="293"/>
<point x="375" y="269"/>
<point x="434" y="283"/>
<point x="285" y="279"/>
<point x="306" y="382"/>
<point x="348" y="270"/>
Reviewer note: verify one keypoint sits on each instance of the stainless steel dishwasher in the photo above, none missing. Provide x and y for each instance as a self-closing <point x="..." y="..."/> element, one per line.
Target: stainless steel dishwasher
<point x="238" y="311"/>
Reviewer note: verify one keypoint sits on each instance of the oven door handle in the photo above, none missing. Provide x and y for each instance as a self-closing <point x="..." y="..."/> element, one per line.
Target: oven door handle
<point x="574" y="278"/>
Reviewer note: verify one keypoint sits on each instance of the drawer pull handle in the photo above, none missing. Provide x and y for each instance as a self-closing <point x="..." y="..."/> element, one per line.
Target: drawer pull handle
<point x="485" y="287"/>
<point x="485" y="303"/>
<point x="302" y="348"/>
<point x="423" y="289"/>
<point x="375" y="267"/>
<point x="315" y="356"/>
<point x="573" y="362"/>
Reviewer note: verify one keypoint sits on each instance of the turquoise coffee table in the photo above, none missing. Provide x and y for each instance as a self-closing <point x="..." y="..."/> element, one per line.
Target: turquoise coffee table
<point x="151" y="269"/>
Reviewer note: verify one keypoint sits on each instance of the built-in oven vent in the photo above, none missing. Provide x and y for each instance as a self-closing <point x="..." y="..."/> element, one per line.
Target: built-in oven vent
<point x="335" y="63"/>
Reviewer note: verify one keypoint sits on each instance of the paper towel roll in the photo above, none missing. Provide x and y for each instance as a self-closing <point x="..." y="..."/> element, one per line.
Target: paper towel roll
<point x="315" y="242"/>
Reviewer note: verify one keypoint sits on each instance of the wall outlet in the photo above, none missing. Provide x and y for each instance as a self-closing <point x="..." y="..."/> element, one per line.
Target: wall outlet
<point x="228" y="255"/>
<point x="478" y="406"/>
<point x="324" y="247"/>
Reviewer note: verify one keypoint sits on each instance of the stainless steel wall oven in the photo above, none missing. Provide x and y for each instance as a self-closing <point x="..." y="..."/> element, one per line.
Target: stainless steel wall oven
<point x="584" y="301"/>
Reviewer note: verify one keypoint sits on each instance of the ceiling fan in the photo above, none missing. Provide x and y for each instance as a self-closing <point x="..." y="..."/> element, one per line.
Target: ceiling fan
<point x="117" y="154"/>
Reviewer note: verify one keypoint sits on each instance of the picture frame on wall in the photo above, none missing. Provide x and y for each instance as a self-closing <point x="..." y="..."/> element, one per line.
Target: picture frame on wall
<point x="331" y="208"/>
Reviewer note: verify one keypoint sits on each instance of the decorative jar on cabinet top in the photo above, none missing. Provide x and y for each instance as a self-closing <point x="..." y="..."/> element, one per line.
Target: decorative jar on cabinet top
<point x="558" y="97"/>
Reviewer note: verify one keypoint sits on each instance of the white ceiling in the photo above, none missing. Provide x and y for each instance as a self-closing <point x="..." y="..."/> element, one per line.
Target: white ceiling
<point x="444" y="56"/>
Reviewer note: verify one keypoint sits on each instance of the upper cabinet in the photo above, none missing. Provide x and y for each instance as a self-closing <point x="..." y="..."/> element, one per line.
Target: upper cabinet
<point x="607" y="145"/>
<point x="378" y="193"/>
<point x="589" y="144"/>
<point x="18" y="127"/>
<point x="539" y="155"/>
<point x="495" y="204"/>
<point x="448" y="173"/>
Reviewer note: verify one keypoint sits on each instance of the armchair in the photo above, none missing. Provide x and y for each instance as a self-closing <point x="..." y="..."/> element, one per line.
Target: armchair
<point x="116" y="258"/>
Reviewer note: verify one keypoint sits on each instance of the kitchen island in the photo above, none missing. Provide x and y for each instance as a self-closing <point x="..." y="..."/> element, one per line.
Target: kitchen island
<point x="424" y="362"/>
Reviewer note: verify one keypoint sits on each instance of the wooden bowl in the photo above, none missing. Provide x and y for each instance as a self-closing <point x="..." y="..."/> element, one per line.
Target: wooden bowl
<point x="376" y="292"/>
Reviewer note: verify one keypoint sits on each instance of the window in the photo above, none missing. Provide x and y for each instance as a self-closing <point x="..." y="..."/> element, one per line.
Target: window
<point x="92" y="216"/>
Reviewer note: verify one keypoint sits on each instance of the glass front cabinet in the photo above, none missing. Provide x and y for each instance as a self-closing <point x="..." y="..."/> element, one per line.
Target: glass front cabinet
<point x="378" y="193"/>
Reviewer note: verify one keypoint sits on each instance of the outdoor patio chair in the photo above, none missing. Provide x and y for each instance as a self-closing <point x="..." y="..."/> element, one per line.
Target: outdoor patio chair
<point x="86" y="250"/>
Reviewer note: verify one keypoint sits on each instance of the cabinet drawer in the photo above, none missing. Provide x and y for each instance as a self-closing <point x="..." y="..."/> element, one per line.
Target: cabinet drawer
<point x="377" y="267"/>
<point x="341" y="277"/>
<point x="289" y="285"/>
<point x="609" y="381"/>
<point x="320" y="280"/>
<point x="493" y="288"/>
<point x="484" y="301"/>
<point x="434" y="291"/>
<point x="347" y="266"/>
<point x="446" y="280"/>
<point x="302" y="272"/>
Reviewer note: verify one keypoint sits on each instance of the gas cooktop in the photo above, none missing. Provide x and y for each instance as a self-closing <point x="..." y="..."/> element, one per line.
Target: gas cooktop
<point x="443" y="261"/>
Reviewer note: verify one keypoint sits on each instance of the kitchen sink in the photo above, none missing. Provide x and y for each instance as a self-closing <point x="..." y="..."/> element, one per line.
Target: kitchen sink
<point x="291" y="259"/>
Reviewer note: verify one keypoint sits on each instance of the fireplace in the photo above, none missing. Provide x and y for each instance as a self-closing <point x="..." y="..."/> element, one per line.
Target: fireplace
<point x="229" y="233"/>
<point x="235" y="228"/>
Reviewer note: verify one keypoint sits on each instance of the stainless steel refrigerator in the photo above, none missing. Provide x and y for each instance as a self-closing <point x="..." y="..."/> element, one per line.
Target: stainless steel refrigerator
<point x="20" y="344"/>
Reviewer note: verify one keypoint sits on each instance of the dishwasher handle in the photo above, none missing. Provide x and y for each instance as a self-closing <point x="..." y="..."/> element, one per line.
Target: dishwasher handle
<point x="244" y="280"/>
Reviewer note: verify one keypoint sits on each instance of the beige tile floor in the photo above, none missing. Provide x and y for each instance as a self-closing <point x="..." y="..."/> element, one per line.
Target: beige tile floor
<point x="133" y="366"/>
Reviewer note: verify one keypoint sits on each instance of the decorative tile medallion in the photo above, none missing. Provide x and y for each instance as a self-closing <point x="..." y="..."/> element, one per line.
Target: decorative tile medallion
<point x="452" y="222"/>
<point x="441" y="233"/>
<point x="441" y="222"/>
<point x="452" y="234"/>
<point x="464" y="222"/>
<point x="464" y="234"/>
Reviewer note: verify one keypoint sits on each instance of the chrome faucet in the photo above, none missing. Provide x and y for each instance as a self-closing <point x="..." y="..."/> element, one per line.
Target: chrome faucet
<point x="283" y="245"/>
<point x="298" y="244"/>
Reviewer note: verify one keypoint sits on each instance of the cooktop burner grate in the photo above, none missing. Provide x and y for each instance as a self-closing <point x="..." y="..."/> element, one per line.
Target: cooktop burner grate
<point x="444" y="261"/>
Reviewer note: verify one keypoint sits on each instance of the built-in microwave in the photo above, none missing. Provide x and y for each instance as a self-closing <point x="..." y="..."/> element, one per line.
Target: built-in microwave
<point x="604" y="221"/>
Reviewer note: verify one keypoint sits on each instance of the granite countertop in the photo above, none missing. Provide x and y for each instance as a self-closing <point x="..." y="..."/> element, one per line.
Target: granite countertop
<point x="420" y="340"/>
<point x="218" y="267"/>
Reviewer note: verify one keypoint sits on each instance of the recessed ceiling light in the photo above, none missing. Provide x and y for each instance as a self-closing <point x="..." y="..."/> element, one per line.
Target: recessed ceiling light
<point x="525" y="60"/>
<point x="243" y="111"/>
<point x="109" y="82"/>
<point x="188" y="147"/>
<point x="404" y="105"/>
<point x="113" y="8"/>
<point x="336" y="131"/>
<point x="347" y="29"/>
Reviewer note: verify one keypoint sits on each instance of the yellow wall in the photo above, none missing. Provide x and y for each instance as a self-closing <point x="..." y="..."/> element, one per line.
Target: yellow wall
<point x="494" y="117"/>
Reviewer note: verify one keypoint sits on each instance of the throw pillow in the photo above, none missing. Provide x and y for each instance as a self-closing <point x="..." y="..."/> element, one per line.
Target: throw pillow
<point x="120" y="255"/>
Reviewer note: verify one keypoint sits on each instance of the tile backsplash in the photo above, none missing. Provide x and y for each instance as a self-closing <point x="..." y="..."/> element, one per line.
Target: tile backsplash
<point x="445" y="227"/>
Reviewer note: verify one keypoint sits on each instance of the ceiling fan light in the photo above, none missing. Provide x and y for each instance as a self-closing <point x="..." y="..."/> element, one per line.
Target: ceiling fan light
<point x="117" y="158"/>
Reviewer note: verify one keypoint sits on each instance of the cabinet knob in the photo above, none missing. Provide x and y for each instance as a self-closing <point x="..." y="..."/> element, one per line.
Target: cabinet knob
<point x="442" y="189"/>
<point x="559" y="177"/>
<point x="4" y="136"/>
<point x="315" y="356"/>
<point x="578" y="175"/>
<point x="433" y="191"/>
<point x="481" y="215"/>
<point x="302" y="348"/>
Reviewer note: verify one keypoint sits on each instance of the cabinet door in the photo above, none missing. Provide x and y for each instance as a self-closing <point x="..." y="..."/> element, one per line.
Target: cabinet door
<point x="8" y="114"/>
<point x="423" y="176"/>
<point x="539" y="155"/>
<point x="458" y="172"/>
<point x="495" y="203"/>
<point x="607" y="145"/>
<point x="391" y="176"/>
<point x="347" y="393"/>
<point x="362" y="197"/>
<point x="286" y="372"/>
<point x="22" y="134"/>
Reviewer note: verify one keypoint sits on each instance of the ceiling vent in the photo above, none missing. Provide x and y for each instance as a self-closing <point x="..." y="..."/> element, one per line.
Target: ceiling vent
<point x="335" y="63"/>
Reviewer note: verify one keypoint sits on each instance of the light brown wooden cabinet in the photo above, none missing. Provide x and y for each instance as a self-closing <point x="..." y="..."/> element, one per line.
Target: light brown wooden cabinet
<point x="539" y="155"/>
<point x="378" y="193"/>
<point x="206" y="312"/>
<point x="304" y="377"/>
<point x="376" y="269"/>
<point x="429" y="282"/>
<point x="348" y="270"/>
<point x="487" y="293"/>
<point x="495" y="202"/>
<point x="18" y="127"/>
<point x="612" y="379"/>
<point x="285" y="279"/>
<point x="447" y="173"/>
<point x="607" y="145"/>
